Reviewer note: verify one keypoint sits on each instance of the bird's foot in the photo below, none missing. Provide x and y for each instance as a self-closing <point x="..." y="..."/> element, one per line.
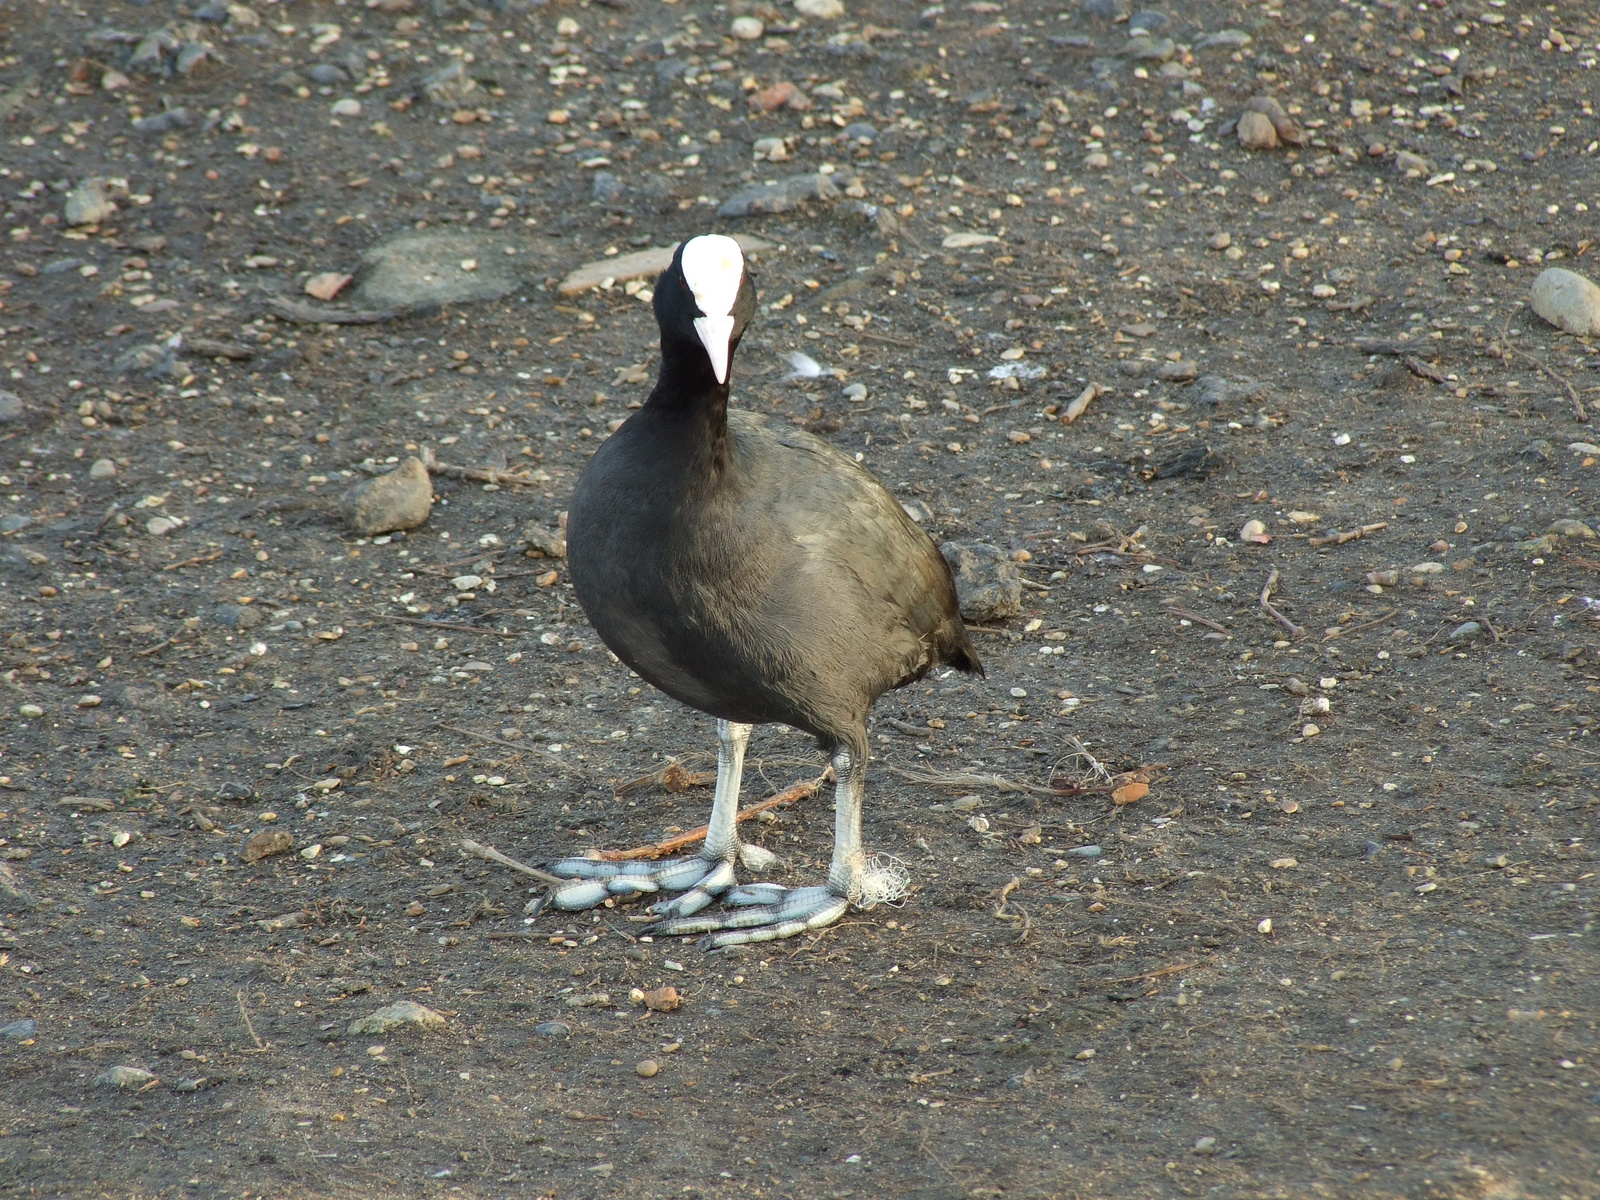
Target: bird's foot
<point x="765" y="912"/>
<point x="700" y="880"/>
<point x="759" y="912"/>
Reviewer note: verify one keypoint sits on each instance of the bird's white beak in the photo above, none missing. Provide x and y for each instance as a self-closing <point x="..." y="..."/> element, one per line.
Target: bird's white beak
<point x="715" y="335"/>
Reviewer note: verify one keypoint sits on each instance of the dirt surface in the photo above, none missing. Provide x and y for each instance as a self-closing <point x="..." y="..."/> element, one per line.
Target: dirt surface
<point x="1344" y="946"/>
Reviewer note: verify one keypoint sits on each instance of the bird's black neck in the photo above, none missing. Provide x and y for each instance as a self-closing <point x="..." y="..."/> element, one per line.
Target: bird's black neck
<point x="688" y="399"/>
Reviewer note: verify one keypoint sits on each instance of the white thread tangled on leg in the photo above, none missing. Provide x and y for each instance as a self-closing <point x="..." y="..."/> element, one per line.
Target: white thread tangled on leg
<point x="885" y="881"/>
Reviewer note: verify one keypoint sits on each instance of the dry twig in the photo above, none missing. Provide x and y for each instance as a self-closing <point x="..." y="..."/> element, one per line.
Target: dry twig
<point x="490" y="854"/>
<point x="1340" y="631"/>
<point x="1266" y="606"/>
<point x="1349" y="535"/>
<point x="789" y="795"/>
<point x="1020" y="915"/>
<point x="1082" y="402"/>
<point x="254" y="1036"/>
<point x="1186" y="615"/>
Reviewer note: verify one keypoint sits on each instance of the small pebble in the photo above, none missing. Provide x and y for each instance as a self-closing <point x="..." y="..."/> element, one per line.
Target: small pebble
<point x="821" y="10"/>
<point x="103" y="468"/>
<point x="648" y="1069"/>
<point x="1264" y="926"/>
<point x="18" y="1031"/>
<point x="348" y="107"/>
<point x="1085" y="1054"/>
<point x="553" y="1029"/>
<point x="747" y="29"/>
<point x="30" y="711"/>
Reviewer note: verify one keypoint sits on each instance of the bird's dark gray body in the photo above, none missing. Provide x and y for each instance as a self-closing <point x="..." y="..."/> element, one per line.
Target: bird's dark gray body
<point x="754" y="572"/>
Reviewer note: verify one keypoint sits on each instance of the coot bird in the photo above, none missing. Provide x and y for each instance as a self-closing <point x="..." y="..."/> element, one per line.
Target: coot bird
<point x="751" y="571"/>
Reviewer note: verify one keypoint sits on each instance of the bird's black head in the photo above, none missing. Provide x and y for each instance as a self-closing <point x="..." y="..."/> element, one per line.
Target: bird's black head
<point x="703" y="302"/>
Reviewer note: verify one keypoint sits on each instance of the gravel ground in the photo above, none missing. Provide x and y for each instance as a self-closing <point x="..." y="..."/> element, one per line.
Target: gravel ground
<point x="1261" y="863"/>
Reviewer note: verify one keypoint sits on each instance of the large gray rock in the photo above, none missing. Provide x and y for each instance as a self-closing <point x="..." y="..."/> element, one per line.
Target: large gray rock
<point x="393" y="1016"/>
<point x="401" y="499"/>
<point x="988" y="583"/>
<point x="416" y="272"/>
<point x="1568" y="301"/>
<point x="778" y="197"/>
<point x="11" y="407"/>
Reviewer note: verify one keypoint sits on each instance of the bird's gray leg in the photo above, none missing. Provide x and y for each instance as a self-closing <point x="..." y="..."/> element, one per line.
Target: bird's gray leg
<point x="701" y="878"/>
<point x="765" y="912"/>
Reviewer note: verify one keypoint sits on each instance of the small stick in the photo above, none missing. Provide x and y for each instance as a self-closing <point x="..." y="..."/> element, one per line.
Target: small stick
<point x="156" y="649"/>
<point x="1339" y="632"/>
<point x="260" y="1045"/>
<point x="474" y="475"/>
<point x="1266" y="605"/>
<point x="490" y="854"/>
<point x="1349" y="535"/>
<point x="789" y="795"/>
<point x="1077" y="407"/>
<point x="1579" y="413"/>
<point x="190" y="562"/>
<point x="1186" y="615"/>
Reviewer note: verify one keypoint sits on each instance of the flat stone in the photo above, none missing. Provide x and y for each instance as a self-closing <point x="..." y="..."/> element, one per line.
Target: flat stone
<point x="1568" y="301"/>
<point x="418" y="272"/>
<point x="778" y="197"/>
<point x="1147" y="22"/>
<point x="1149" y="49"/>
<point x="1177" y="372"/>
<point x="641" y="264"/>
<point x="265" y="843"/>
<point x="11" y="408"/>
<point x="103" y="468"/>
<point x="20" y="1030"/>
<point x="401" y="499"/>
<point x="1224" y="37"/>
<point x="966" y="240"/>
<point x="821" y="10"/>
<point x="988" y="583"/>
<point x="747" y="28"/>
<point x="1571" y="528"/>
<point x="393" y="1016"/>
<point x="133" y="1078"/>
<point x="860" y="131"/>
<point x="325" y="74"/>
<point x="88" y="204"/>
